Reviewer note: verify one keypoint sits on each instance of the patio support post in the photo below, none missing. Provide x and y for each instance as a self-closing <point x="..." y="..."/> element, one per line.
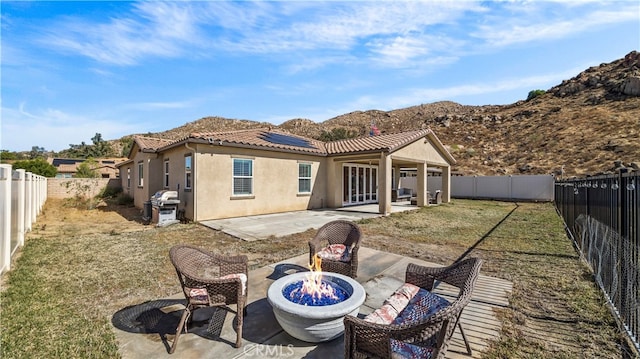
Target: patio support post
<point x="396" y="177"/>
<point x="384" y="187"/>
<point x="422" y="185"/>
<point x="446" y="184"/>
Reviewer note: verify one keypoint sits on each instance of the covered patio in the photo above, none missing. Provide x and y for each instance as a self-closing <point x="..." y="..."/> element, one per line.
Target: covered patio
<point x="147" y="329"/>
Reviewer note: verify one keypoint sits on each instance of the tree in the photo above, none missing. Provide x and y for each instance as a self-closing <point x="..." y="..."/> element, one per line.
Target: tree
<point x="88" y="169"/>
<point x="7" y="156"/>
<point x="36" y="152"/>
<point x="100" y="148"/>
<point x="38" y="166"/>
<point x="126" y="143"/>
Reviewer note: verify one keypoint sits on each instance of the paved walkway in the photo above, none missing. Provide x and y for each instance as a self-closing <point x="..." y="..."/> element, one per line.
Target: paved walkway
<point x="145" y="330"/>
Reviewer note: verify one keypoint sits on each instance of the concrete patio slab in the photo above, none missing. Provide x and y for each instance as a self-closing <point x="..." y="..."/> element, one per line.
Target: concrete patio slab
<point x="252" y="228"/>
<point x="146" y="330"/>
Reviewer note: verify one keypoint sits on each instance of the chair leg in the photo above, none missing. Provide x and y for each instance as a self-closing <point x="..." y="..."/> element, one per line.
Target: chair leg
<point x="242" y="310"/>
<point x="464" y="337"/>
<point x="181" y="325"/>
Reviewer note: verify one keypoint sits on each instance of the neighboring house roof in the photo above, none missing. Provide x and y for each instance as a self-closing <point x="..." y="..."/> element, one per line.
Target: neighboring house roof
<point x="70" y="165"/>
<point x="270" y="139"/>
<point x="67" y="168"/>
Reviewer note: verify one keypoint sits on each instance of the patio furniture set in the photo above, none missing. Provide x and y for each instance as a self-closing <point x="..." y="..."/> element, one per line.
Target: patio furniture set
<point x="413" y="322"/>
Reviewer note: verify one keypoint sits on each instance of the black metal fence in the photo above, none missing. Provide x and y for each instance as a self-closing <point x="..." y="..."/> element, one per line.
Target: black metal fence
<point x="602" y="214"/>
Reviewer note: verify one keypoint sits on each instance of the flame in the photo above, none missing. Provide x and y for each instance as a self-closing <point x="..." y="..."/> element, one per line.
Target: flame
<point x="313" y="284"/>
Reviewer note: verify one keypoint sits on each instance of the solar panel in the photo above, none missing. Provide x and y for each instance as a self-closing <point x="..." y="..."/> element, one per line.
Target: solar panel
<point x="281" y="139"/>
<point x="65" y="161"/>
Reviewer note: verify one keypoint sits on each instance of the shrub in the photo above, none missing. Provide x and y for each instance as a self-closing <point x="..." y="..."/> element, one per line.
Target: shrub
<point x="124" y="199"/>
<point x="110" y="192"/>
<point x="535" y="93"/>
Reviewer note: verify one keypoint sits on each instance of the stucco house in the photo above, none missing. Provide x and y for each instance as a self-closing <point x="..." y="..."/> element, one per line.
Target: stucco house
<point x="260" y="171"/>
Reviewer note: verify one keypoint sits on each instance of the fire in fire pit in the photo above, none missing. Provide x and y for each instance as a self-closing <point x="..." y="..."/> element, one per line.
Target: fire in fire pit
<point x="314" y="291"/>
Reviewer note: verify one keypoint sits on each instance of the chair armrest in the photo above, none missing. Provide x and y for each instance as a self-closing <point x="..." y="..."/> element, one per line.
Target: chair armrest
<point x="373" y="339"/>
<point x="423" y="277"/>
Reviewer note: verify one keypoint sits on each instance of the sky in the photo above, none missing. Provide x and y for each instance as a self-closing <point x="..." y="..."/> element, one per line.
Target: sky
<point x="70" y="70"/>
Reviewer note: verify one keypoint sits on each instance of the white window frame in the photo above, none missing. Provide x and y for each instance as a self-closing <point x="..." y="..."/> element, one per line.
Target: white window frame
<point x="302" y="178"/>
<point x="141" y="174"/>
<point x="128" y="177"/>
<point x="188" y="170"/>
<point x="241" y="177"/>
<point x="166" y="173"/>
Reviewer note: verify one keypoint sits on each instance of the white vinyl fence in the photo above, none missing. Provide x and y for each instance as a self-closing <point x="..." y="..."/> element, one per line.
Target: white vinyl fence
<point x="504" y="188"/>
<point x="522" y="188"/>
<point x="22" y="195"/>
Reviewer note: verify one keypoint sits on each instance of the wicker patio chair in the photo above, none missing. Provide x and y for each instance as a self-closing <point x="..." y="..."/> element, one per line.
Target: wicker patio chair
<point x="210" y="280"/>
<point x="333" y="234"/>
<point x="430" y="334"/>
<point x="437" y="198"/>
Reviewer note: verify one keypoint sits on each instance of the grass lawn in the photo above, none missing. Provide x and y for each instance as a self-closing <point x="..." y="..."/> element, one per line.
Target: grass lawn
<point x="80" y="267"/>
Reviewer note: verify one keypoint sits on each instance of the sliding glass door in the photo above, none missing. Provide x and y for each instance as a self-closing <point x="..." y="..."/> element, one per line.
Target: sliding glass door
<point x="359" y="184"/>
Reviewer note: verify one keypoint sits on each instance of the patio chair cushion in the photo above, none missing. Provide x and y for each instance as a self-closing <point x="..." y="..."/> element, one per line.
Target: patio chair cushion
<point x="197" y="296"/>
<point x="395" y="304"/>
<point x="200" y="296"/>
<point x="404" y="350"/>
<point x="243" y="280"/>
<point x="407" y="303"/>
<point x="335" y="252"/>
<point x="422" y="305"/>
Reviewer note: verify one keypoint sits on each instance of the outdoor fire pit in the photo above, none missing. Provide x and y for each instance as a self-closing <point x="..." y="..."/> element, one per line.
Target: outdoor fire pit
<point x="310" y="306"/>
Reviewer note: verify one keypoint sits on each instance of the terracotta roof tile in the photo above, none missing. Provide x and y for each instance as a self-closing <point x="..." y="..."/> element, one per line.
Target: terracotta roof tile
<point x="271" y="139"/>
<point x="150" y="143"/>
<point x="385" y="142"/>
<point x="274" y="139"/>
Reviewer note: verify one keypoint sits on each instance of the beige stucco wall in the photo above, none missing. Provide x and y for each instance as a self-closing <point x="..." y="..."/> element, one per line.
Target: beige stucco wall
<point x="421" y="151"/>
<point x="84" y="187"/>
<point x="177" y="177"/>
<point x="275" y="183"/>
<point x="127" y="186"/>
<point x="152" y="181"/>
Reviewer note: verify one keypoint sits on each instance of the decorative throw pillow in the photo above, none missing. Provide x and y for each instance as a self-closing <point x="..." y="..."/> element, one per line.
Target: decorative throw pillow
<point x="197" y="296"/>
<point x="335" y="252"/>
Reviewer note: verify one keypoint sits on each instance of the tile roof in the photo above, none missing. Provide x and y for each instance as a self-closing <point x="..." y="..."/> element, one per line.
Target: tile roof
<point x="385" y="142"/>
<point x="275" y="139"/>
<point x="263" y="137"/>
<point x="151" y="144"/>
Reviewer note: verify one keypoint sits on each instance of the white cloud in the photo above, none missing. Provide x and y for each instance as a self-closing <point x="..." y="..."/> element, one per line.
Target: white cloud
<point x="152" y="29"/>
<point x="544" y="26"/>
<point x="54" y="129"/>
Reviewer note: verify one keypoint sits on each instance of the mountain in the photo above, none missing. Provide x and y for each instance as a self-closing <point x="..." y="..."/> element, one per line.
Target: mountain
<point x="586" y="125"/>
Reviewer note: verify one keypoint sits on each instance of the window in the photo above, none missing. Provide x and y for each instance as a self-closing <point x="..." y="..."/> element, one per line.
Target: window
<point x="140" y="174"/>
<point x="242" y="177"/>
<point x="304" y="178"/>
<point x="187" y="171"/>
<point x="128" y="177"/>
<point x="166" y="173"/>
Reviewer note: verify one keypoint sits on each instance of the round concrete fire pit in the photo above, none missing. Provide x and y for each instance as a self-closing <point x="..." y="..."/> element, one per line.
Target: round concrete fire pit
<point x="315" y="323"/>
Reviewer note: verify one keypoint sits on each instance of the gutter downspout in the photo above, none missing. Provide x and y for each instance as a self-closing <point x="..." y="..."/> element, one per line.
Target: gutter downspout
<point x="193" y="179"/>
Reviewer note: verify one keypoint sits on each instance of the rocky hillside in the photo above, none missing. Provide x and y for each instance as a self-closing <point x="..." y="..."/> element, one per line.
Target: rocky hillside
<point x="581" y="126"/>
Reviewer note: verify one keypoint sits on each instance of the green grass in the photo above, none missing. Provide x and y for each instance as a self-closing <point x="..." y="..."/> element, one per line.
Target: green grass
<point x="57" y="300"/>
